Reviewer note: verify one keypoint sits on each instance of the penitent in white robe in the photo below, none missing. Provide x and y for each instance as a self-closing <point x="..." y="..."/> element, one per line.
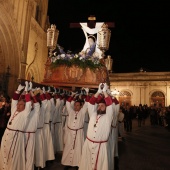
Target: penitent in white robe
<point x="31" y="127"/>
<point x="39" y="138"/>
<point x="86" y="123"/>
<point x="94" y="153"/>
<point x="57" y="130"/>
<point x="74" y="136"/>
<point x="48" y="143"/>
<point x="52" y="125"/>
<point x="13" y="140"/>
<point x="113" y="137"/>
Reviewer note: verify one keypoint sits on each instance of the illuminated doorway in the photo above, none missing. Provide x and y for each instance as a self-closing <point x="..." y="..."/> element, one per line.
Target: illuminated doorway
<point x="157" y="99"/>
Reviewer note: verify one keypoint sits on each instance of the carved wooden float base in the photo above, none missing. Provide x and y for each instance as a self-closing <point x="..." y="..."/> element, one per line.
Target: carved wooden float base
<point x="64" y="76"/>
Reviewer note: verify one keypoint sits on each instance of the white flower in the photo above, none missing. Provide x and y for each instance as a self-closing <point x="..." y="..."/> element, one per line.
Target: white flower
<point x="63" y="55"/>
<point x="76" y="56"/>
<point x="53" y="59"/>
<point x="68" y="55"/>
<point x="55" y="54"/>
<point x="58" y="57"/>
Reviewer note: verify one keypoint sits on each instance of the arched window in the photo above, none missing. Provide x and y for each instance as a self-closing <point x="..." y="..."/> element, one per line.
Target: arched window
<point x="157" y="99"/>
<point x="125" y="98"/>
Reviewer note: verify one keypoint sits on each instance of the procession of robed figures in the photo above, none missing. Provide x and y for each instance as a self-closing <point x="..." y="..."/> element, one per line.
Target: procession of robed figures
<point x="46" y="120"/>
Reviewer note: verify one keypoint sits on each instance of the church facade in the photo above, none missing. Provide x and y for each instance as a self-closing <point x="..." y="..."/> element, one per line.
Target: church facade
<point x="24" y="52"/>
<point x="23" y="44"/>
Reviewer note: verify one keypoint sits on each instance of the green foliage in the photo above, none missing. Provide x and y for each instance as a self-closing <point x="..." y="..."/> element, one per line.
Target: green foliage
<point x="77" y="62"/>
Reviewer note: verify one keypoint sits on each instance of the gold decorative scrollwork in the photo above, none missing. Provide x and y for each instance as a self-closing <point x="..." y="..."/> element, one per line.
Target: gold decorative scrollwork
<point x="73" y="73"/>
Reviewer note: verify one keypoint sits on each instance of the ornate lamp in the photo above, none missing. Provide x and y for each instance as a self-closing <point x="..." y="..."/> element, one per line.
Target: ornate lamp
<point x="109" y="63"/>
<point x="104" y="39"/>
<point x="52" y="38"/>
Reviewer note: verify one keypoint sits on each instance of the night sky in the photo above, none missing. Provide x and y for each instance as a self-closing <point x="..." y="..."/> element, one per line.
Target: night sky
<point x="141" y="37"/>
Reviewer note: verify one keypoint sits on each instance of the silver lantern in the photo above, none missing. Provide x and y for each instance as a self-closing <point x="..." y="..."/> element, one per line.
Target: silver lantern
<point x="52" y="38"/>
<point x="104" y="35"/>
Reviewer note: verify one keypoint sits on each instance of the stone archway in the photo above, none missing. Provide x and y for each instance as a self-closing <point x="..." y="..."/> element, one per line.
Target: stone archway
<point x="9" y="46"/>
<point x="157" y="99"/>
<point x="125" y="98"/>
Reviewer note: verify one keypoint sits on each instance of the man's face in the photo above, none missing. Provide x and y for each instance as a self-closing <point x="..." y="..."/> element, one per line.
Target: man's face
<point x="20" y="106"/>
<point x="101" y="109"/>
<point x="77" y="106"/>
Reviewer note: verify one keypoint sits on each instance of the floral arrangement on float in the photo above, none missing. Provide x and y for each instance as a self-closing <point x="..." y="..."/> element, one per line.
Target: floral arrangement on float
<point x="82" y="59"/>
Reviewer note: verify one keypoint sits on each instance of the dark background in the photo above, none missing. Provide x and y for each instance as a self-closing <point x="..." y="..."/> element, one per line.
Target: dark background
<point x="141" y="37"/>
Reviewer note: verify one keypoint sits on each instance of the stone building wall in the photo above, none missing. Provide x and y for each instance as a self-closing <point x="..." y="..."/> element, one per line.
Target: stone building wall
<point x="141" y="86"/>
<point x="23" y="25"/>
<point x="37" y="52"/>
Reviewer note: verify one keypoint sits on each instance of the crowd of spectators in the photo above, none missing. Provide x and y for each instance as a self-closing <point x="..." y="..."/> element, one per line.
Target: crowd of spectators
<point x="157" y="115"/>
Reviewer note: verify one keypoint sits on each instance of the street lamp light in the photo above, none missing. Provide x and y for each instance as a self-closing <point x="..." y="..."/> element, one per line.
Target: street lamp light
<point x="115" y="92"/>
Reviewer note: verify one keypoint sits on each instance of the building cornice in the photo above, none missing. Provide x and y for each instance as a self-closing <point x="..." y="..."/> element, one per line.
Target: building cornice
<point x="140" y="76"/>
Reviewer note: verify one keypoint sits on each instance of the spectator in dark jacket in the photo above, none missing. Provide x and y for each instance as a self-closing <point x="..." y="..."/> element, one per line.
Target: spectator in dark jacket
<point x="140" y="115"/>
<point x="128" y="119"/>
<point x="5" y="112"/>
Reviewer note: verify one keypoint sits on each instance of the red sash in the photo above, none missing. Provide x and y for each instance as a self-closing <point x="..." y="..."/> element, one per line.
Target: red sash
<point x="76" y="134"/>
<point x="99" y="142"/>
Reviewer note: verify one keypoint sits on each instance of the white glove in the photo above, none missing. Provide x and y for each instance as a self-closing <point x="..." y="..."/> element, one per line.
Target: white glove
<point x="43" y="89"/>
<point x="49" y="89"/>
<point x="84" y="92"/>
<point x="32" y="90"/>
<point x="105" y="87"/>
<point x="30" y="86"/>
<point x="38" y="88"/>
<point x="55" y="91"/>
<point x="87" y="90"/>
<point x="73" y="93"/>
<point x="20" y="87"/>
<point x="76" y="94"/>
<point x="81" y="93"/>
<point x="26" y="86"/>
<point x="99" y="89"/>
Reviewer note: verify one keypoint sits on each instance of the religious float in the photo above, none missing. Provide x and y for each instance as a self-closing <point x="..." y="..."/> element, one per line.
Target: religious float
<point x="88" y="68"/>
